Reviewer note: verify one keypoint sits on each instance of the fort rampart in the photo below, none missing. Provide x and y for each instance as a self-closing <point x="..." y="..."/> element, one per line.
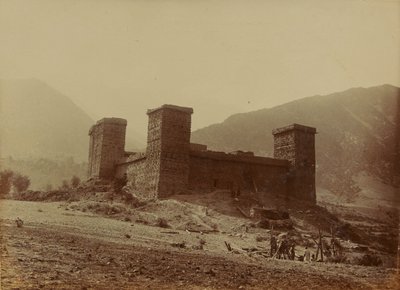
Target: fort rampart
<point x="171" y="164"/>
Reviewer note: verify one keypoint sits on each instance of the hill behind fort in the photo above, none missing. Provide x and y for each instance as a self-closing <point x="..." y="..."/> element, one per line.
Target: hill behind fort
<point x="356" y="135"/>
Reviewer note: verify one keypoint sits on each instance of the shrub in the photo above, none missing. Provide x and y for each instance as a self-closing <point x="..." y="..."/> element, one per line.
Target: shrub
<point x="119" y="183"/>
<point x="115" y="209"/>
<point x="20" y="182"/>
<point x="215" y="227"/>
<point x="261" y="239"/>
<point x="369" y="260"/>
<point x="338" y="259"/>
<point x="75" y="181"/>
<point x="162" y="223"/>
<point x="6" y="180"/>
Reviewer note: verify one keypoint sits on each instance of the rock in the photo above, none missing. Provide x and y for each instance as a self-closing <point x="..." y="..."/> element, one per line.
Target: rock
<point x="210" y="272"/>
<point x="179" y="245"/>
<point x="19" y="222"/>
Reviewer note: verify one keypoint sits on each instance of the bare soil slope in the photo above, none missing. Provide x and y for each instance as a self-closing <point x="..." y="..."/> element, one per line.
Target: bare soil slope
<point x="64" y="246"/>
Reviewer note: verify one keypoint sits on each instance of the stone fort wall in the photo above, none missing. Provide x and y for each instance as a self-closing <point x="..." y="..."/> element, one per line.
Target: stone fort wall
<point x="171" y="164"/>
<point x="167" y="152"/>
<point x="218" y="170"/>
<point x="106" y="147"/>
<point x="136" y="169"/>
<point x="296" y="143"/>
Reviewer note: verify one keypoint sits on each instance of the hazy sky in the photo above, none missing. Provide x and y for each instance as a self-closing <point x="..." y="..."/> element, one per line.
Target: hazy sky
<point x="118" y="58"/>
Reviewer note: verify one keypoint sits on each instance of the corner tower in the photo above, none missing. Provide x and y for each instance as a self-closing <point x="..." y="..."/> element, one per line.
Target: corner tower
<point x="296" y="143"/>
<point x="167" y="152"/>
<point x="106" y="147"/>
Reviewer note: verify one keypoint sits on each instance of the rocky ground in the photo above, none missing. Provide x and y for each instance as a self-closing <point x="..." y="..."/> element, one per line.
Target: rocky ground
<point x="70" y="246"/>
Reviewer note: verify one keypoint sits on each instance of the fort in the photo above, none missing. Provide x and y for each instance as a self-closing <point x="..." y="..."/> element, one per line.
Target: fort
<point x="172" y="165"/>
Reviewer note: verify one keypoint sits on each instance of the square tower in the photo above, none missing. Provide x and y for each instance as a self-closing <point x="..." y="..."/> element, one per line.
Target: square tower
<point x="106" y="147"/>
<point x="296" y="143"/>
<point x="167" y="152"/>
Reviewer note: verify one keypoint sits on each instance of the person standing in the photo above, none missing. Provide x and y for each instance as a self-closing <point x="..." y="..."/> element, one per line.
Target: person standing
<point x="273" y="245"/>
<point x="292" y="251"/>
<point x="307" y="255"/>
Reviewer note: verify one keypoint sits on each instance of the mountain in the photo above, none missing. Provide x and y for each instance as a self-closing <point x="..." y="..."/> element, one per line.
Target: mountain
<point x="38" y="121"/>
<point x="358" y="131"/>
<point x="43" y="134"/>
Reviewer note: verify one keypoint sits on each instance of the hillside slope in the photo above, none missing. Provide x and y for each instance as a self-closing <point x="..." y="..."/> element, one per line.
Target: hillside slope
<point x="38" y="121"/>
<point x="357" y="132"/>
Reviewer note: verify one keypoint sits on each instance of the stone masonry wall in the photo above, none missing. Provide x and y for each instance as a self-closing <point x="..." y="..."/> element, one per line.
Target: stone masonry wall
<point x="296" y="143"/>
<point x="168" y="149"/>
<point x="305" y="165"/>
<point x="136" y="175"/>
<point x="217" y="170"/>
<point x="172" y="165"/>
<point x="107" y="146"/>
<point x="175" y="146"/>
<point x="153" y="152"/>
<point x="95" y="146"/>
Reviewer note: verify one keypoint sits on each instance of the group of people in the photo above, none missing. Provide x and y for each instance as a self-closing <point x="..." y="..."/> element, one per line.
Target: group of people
<point x="285" y="249"/>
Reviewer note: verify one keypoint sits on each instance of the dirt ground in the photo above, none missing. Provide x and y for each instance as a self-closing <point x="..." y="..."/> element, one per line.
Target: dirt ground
<point x="62" y="247"/>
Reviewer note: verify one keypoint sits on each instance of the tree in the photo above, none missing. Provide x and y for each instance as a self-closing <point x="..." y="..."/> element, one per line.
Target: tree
<point x="5" y="181"/>
<point x="20" y="182"/>
<point x="75" y="181"/>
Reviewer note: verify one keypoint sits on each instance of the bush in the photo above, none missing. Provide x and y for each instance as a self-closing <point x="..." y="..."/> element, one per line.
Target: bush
<point x="119" y="183"/>
<point x="162" y="223"/>
<point x="261" y="239"/>
<point x="5" y="181"/>
<point x="75" y="181"/>
<point x="55" y="195"/>
<point x="103" y="208"/>
<point x="369" y="260"/>
<point x="338" y="259"/>
<point x="20" y="182"/>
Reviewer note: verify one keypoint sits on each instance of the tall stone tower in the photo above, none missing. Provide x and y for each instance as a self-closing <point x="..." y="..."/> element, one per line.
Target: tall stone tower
<point x="296" y="143"/>
<point x="106" y="147"/>
<point x="167" y="153"/>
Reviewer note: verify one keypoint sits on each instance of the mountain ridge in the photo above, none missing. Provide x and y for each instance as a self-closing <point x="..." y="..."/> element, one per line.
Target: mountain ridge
<point x="357" y="131"/>
<point x="39" y="121"/>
